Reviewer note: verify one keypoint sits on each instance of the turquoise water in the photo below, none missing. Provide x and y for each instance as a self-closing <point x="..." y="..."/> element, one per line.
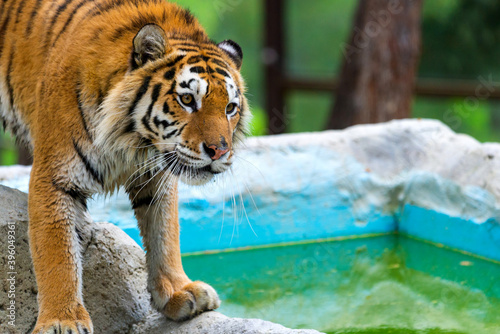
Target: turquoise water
<point x="388" y="284"/>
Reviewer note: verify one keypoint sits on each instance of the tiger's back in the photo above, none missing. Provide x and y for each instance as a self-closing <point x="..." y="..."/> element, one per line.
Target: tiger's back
<point x="40" y="39"/>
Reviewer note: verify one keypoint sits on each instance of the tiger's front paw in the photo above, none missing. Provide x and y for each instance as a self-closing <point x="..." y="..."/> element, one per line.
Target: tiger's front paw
<point x="194" y="298"/>
<point x="70" y="320"/>
<point x="56" y="326"/>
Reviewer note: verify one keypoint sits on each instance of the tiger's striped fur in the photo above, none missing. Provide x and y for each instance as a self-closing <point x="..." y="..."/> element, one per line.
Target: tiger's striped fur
<point x="111" y="93"/>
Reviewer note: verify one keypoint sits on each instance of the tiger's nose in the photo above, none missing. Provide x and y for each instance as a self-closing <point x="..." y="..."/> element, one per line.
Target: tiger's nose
<point x="215" y="152"/>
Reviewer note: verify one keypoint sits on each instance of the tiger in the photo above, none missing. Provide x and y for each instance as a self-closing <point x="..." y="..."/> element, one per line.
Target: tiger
<point x="109" y="94"/>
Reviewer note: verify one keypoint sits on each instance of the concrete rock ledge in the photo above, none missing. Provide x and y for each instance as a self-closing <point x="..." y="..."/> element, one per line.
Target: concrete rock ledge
<point x="114" y="279"/>
<point x="417" y="177"/>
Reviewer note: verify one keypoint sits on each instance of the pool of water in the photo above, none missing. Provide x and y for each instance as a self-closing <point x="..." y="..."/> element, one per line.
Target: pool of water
<point x="388" y="284"/>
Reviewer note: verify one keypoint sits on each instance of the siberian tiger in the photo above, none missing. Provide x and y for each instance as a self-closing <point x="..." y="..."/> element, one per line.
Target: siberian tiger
<point x="111" y="93"/>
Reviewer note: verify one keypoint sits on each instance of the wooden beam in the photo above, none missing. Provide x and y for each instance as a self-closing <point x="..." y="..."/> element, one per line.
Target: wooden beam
<point x="456" y="88"/>
<point x="439" y="88"/>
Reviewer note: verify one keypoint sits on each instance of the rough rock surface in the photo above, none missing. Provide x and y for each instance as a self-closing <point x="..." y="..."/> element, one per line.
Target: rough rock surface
<point x="391" y="150"/>
<point x="114" y="283"/>
<point x="212" y="323"/>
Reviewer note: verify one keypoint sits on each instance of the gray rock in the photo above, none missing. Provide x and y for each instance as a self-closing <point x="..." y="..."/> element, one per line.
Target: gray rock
<point x="114" y="283"/>
<point x="212" y="322"/>
<point x="13" y="209"/>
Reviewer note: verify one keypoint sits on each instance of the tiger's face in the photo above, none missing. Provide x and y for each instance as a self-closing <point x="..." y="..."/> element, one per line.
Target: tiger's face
<point x="188" y="107"/>
<point x="192" y="113"/>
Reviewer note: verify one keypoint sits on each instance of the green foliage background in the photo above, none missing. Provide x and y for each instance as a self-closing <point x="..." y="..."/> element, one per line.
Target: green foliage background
<point x="461" y="40"/>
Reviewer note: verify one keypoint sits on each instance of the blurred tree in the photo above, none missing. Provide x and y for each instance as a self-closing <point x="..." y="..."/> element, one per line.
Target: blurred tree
<point x="380" y="63"/>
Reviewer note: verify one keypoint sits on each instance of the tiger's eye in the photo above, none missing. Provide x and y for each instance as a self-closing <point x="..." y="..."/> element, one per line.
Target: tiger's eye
<point x="230" y="108"/>
<point x="187" y="99"/>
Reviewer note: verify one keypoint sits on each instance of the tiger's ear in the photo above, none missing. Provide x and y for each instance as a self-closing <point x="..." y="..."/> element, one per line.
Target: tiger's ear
<point x="149" y="44"/>
<point x="233" y="50"/>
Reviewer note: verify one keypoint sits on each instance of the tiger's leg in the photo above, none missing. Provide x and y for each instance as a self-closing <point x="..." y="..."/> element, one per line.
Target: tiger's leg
<point x="173" y="293"/>
<point x="55" y="250"/>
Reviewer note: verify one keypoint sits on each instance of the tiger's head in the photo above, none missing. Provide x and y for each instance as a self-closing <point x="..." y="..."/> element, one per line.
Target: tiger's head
<point x="181" y="102"/>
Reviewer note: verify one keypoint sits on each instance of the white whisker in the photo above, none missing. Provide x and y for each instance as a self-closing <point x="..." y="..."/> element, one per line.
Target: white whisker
<point x="154" y="160"/>
<point x="235" y="212"/>
<point x="223" y="207"/>
<point x="146" y="183"/>
<point x="151" y="145"/>
<point x="251" y="164"/>
<point x="243" y="205"/>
